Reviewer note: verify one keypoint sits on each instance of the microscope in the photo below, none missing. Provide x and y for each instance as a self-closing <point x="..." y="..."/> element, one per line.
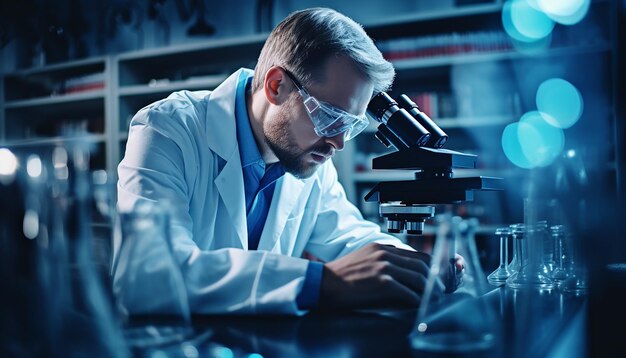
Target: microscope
<point x="418" y="143"/>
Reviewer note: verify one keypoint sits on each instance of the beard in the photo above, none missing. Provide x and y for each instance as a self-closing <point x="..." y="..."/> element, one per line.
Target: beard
<point x="282" y="142"/>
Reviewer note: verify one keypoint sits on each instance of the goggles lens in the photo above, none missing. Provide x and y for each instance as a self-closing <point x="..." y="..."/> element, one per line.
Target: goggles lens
<point x="329" y="120"/>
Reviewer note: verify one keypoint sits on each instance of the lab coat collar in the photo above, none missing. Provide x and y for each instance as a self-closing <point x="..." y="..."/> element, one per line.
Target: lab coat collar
<point x="220" y="117"/>
<point x="229" y="183"/>
<point x="222" y="139"/>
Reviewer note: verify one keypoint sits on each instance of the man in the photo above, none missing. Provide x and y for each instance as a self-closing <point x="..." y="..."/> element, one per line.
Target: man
<point x="245" y="171"/>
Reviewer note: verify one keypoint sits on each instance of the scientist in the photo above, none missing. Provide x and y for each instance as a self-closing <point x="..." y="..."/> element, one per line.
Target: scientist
<point x="246" y="173"/>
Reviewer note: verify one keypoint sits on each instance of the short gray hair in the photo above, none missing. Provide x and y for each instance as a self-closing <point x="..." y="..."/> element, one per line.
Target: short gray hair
<point x="306" y="39"/>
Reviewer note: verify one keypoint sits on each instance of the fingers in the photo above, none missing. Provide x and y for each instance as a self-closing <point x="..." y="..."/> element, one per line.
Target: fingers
<point x="459" y="262"/>
<point x="400" y="258"/>
<point x="411" y="264"/>
<point x="410" y="279"/>
<point x="409" y="254"/>
<point x="401" y="292"/>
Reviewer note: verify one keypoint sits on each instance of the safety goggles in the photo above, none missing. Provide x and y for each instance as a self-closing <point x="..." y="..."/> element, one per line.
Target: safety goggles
<point x="327" y="119"/>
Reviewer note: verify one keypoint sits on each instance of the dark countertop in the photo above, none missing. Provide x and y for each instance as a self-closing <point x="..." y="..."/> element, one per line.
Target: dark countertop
<point x="528" y="323"/>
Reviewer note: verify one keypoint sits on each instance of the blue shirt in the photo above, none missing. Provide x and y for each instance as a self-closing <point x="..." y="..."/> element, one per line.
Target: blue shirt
<point x="259" y="181"/>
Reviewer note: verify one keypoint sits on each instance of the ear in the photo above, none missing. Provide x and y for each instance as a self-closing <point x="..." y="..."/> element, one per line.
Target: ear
<point x="276" y="85"/>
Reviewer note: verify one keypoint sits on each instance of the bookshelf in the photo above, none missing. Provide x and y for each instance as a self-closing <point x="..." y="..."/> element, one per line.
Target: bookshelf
<point x="464" y="57"/>
<point x="102" y="94"/>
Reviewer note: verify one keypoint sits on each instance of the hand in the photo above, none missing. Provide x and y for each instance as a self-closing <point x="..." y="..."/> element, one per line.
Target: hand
<point x="459" y="262"/>
<point x="374" y="276"/>
<point x="454" y="274"/>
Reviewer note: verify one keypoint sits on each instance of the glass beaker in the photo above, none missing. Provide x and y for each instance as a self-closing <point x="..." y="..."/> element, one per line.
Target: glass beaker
<point x="520" y="252"/>
<point x="563" y="258"/>
<point x="533" y="272"/>
<point x="515" y="263"/>
<point x="461" y="321"/>
<point x="577" y="281"/>
<point x="80" y="318"/>
<point x="499" y="276"/>
<point x="548" y="246"/>
<point x="147" y="279"/>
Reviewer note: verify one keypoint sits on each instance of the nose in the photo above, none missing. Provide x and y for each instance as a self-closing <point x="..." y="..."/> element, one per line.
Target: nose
<point x="338" y="141"/>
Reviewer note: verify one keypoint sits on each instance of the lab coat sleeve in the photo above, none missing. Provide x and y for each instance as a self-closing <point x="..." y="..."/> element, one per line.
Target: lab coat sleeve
<point x="340" y="228"/>
<point x="228" y="280"/>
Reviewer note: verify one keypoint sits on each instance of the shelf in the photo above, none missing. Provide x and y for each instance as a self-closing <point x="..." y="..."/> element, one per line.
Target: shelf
<point x="466" y="58"/>
<point x="60" y="67"/>
<point x="201" y="45"/>
<point x="68" y="98"/>
<point x="205" y="82"/>
<point x="93" y="138"/>
<point x="441" y="14"/>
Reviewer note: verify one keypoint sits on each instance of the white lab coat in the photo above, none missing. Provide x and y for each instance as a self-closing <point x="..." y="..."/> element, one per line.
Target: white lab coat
<point x="183" y="151"/>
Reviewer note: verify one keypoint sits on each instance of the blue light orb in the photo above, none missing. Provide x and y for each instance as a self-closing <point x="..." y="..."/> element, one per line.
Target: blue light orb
<point x="512" y="148"/>
<point x="540" y="142"/>
<point x="565" y="12"/>
<point x="560" y="103"/>
<point x="530" y="22"/>
<point x="223" y="352"/>
<point x="509" y="27"/>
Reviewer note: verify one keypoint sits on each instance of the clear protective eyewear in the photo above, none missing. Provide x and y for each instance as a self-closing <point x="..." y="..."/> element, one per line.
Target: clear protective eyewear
<point x="327" y="119"/>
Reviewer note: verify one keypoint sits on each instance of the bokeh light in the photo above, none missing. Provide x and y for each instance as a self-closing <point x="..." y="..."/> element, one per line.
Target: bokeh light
<point x="524" y="22"/>
<point x="30" y="225"/>
<point x="507" y="23"/>
<point x="8" y="162"/>
<point x="222" y="352"/>
<point x="33" y="166"/>
<point x="512" y="148"/>
<point x="565" y="12"/>
<point x="560" y="103"/>
<point x="541" y="142"/>
<point x="571" y="153"/>
<point x="532" y="142"/>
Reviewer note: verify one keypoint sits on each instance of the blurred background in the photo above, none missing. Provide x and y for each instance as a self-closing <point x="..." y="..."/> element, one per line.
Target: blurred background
<point x="535" y="88"/>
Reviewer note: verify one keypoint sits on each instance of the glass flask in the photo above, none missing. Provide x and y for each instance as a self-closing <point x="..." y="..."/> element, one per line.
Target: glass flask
<point x="499" y="276"/>
<point x="147" y="280"/>
<point x="514" y="265"/>
<point x="74" y="313"/>
<point x="548" y="246"/>
<point x="25" y="319"/>
<point x="577" y="282"/>
<point x="533" y="273"/>
<point x="454" y="316"/>
<point x="562" y="271"/>
<point x="519" y="254"/>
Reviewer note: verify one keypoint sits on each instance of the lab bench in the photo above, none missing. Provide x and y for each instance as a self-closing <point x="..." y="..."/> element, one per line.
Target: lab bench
<point x="531" y="324"/>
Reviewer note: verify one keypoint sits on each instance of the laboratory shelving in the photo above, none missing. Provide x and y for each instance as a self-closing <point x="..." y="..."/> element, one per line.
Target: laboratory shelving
<point x="100" y="95"/>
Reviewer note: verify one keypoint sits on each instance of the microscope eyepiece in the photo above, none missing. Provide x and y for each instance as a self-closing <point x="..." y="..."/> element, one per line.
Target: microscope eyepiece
<point x="437" y="136"/>
<point x="399" y="122"/>
<point x="381" y="104"/>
